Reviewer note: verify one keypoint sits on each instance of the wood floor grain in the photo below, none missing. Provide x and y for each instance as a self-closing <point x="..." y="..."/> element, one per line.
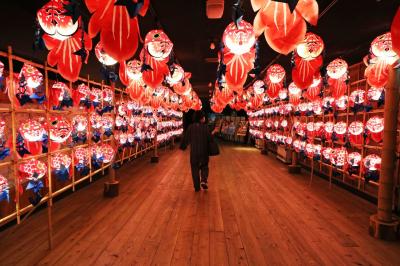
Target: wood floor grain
<point x="254" y="213"/>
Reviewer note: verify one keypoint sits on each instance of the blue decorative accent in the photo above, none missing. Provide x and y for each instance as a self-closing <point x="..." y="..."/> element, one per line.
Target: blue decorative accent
<point x="5" y="195"/>
<point x="96" y="162"/>
<point x="108" y="132"/>
<point x="96" y="136"/>
<point x="371" y="175"/>
<point x="95" y="104"/>
<point x="45" y="143"/>
<point x="87" y="103"/>
<point x="23" y="98"/>
<point x="67" y="102"/>
<point x="62" y="174"/>
<point x="4" y="152"/>
<point x="35" y="186"/>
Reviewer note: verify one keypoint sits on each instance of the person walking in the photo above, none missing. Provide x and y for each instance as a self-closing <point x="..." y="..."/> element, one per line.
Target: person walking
<point x="198" y="137"/>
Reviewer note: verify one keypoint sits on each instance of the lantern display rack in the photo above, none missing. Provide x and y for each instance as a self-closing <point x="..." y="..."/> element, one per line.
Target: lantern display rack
<point x="17" y="196"/>
<point x="169" y="126"/>
<point x="276" y="123"/>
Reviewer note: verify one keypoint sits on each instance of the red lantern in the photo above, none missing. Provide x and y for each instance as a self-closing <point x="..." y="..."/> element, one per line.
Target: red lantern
<point x="294" y="94"/>
<point x="338" y="157"/>
<point x="55" y="22"/>
<point x="337" y="68"/>
<point x="60" y="129"/>
<point x="176" y="75"/>
<point x="313" y="92"/>
<point x="311" y="47"/>
<point x="239" y="38"/>
<point x="276" y="73"/>
<point x="340" y="130"/>
<point x="259" y="87"/>
<point x="32" y="170"/>
<point x="158" y="45"/>
<point x="33" y="133"/>
<point x="356" y="130"/>
<point x="375" y="126"/>
<point x="101" y="55"/>
<point x="354" y="159"/>
<point x="328" y="130"/>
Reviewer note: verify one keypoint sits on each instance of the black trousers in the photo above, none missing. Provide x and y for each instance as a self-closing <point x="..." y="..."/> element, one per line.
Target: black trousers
<point x="199" y="169"/>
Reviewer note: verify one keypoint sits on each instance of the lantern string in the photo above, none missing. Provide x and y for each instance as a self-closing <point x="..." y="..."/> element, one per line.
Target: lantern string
<point x="279" y="55"/>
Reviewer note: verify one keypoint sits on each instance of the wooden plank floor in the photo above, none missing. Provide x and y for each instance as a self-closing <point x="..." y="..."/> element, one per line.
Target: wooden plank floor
<point x="254" y="213"/>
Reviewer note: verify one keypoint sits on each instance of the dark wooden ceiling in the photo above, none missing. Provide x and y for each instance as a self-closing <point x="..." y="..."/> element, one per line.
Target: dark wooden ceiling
<point x="347" y="30"/>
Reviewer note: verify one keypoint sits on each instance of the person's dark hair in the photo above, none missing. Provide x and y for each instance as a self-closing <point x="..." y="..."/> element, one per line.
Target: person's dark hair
<point x="197" y="116"/>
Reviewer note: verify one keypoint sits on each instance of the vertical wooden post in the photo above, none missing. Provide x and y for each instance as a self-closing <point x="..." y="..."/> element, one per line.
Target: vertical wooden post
<point x="383" y="225"/>
<point x="154" y="158"/>
<point x="294" y="168"/>
<point x="14" y="135"/>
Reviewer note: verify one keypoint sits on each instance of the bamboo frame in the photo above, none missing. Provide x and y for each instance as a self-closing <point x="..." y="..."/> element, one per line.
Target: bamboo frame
<point x="14" y="161"/>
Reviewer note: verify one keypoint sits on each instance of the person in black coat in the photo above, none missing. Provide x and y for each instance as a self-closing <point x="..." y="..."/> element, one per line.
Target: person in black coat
<point x="199" y="137"/>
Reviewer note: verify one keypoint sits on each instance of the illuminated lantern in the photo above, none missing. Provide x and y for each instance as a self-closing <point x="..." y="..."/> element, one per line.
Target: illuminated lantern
<point x="79" y="128"/>
<point x="283" y="94"/>
<point x="338" y="157"/>
<point x="354" y="159"/>
<point x="259" y="87"/>
<point x="256" y="102"/>
<point x="375" y="94"/>
<point x="276" y="73"/>
<point x="96" y="123"/>
<point x="4" y="151"/>
<point x="60" y="96"/>
<point x="316" y="107"/>
<point x="356" y="130"/>
<point x="33" y="171"/>
<point x="317" y="151"/>
<point x="237" y="68"/>
<point x="63" y="54"/>
<point x="310" y="130"/>
<point x="96" y="96"/>
<point x="176" y="75"/>
<point x="395" y="31"/>
<point x="55" y="22"/>
<point x="121" y="123"/>
<point x="217" y="108"/>
<point x="337" y="68"/>
<point x="31" y="134"/>
<point x="309" y="150"/>
<point x="107" y="125"/>
<point x="318" y="128"/>
<point x="31" y="76"/>
<point x="303" y="108"/>
<point x="158" y="45"/>
<point x="101" y="55"/>
<point x="374" y="128"/>
<point x="327" y="103"/>
<point x="341" y="103"/>
<point x="27" y="86"/>
<point x="60" y="165"/>
<point x="82" y="159"/>
<point x="357" y="99"/>
<point x="313" y="92"/>
<point x="156" y="72"/>
<point x="4" y="189"/>
<point x="328" y="130"/>
<point x="60" y="129"/>
<point x="311" y="47"/>
<point x="97" y="157"/>
<point x="326" y="154"/>
<point x="371" y="167"/>
<point x="382" y="48"/>
<point x="240" y="38"/>
<point x="340" y="130"/>
<point x="122" y="139"/>
<point x="119" y="28"/>
<point x="294" y="94"/>
<point x="81" y="96"/>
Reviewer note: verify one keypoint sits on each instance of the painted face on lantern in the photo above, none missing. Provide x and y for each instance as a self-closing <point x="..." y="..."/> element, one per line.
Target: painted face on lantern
<point x="337" y="68"/>
<point x="258" y="87"/>
<point x="84" y="91"/>
<point x="375" y="124"/>
<point x="101" y="55"/>
<point x="310" y="127"/>
<point x="79" y="123"/>
<point x="317" y="149"/>
<point x="283" y="94"/>
<point x="326" y="152"/>
<point x="276" y="73"/>
<point x="329" y="127"/>
<point x="339" y="156"/>
<point x="317" y="107"/>
<point x="97" y="95"/>
<point x="356" y="128"/>
<point x="60" y="159"/>
<point x="107" y="122"/>
<point x="177" y="75"/>
<point x="340" y="128"/>
<point x="354" y="159"/>
<point x="33" y="169"/>
<point x="54" y="21"/>
<point x="122" y="138"/>
<point x="120" y="121"/>
<point x="32" y="76"/>
<point x="357" y="96"/>
<point x="60" y="129"/>
<point x="328" y="101"/>
<point x="108" y="95"/>
<point x="372" y="162"/>
<point x="63" y="90"/>
<point x="158" y="45"/>
<point x="239" y="40"/>
<point x="311" y="47"/>
<point x="134" y="69"/>
<point x="108" y="153"/>
<point x="374" y="94"/>
<point x="341" y="103"/>
<point x="382" y="47"/>
<point x="32" y="130"/>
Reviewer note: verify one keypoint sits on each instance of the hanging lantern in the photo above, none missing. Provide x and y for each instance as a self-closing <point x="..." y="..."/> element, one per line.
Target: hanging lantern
<point x="327" y="103"/>
<point x="107" y="125"/>
<point x="122" y="139"/>
<point x="60" y="165"/>
<point x="310" y="130"/>
<point x="79" y="128"/>
<point x="82" y="96"/>
<point x="313" y="92"/>
<point x="354" y="159"/>
<point x="134" y="69"/>
<point x="318" y="128"/>
<point x="101" y="55"/>
<point x="338" y="157"/>
<point x="55" y="21"/>
<point x="341" y="103"/>
<point x="328" y="130"/>
<point x="33" y="171"/>
<point x="60" y="96"/>
<point x="97" y="156"/>
<point x="239" y="38"/>
<point x="337" y="68"/>
<point x="31" y="137"/>
<point x="82" y="159"/>
<point x="4" y="189"/>
<point x="311" y="47"/>
<point x="259" y="87"/>
<point x="294" y="94"/>
<point x="121" y="123"/>
<point x="283" y="94"/>
<point x="96" y="96"/>
<point x="276" y="73"/>
<point x="356" y="130"/>
<point x="60" y="129"/>
<point x="372" y="166"/>
<point x="176" y="75"/>
<point x="382" y="48"/>
<point x="316" y="107"/>
<point x="357" y="99"/>
<point x="375" y="94"/>
<point x="158" y="45"/>
<point x="374" y="127"/>
<point x="326" y="154"/>
<point x="309" y="150"/>
<point x="31" y="75"/>
<point x="96" y="123"/>
<point x="340" y="130"/>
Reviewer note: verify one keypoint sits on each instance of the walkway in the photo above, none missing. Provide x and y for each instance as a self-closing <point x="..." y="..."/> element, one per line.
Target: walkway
<point x="255" y="213"/>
